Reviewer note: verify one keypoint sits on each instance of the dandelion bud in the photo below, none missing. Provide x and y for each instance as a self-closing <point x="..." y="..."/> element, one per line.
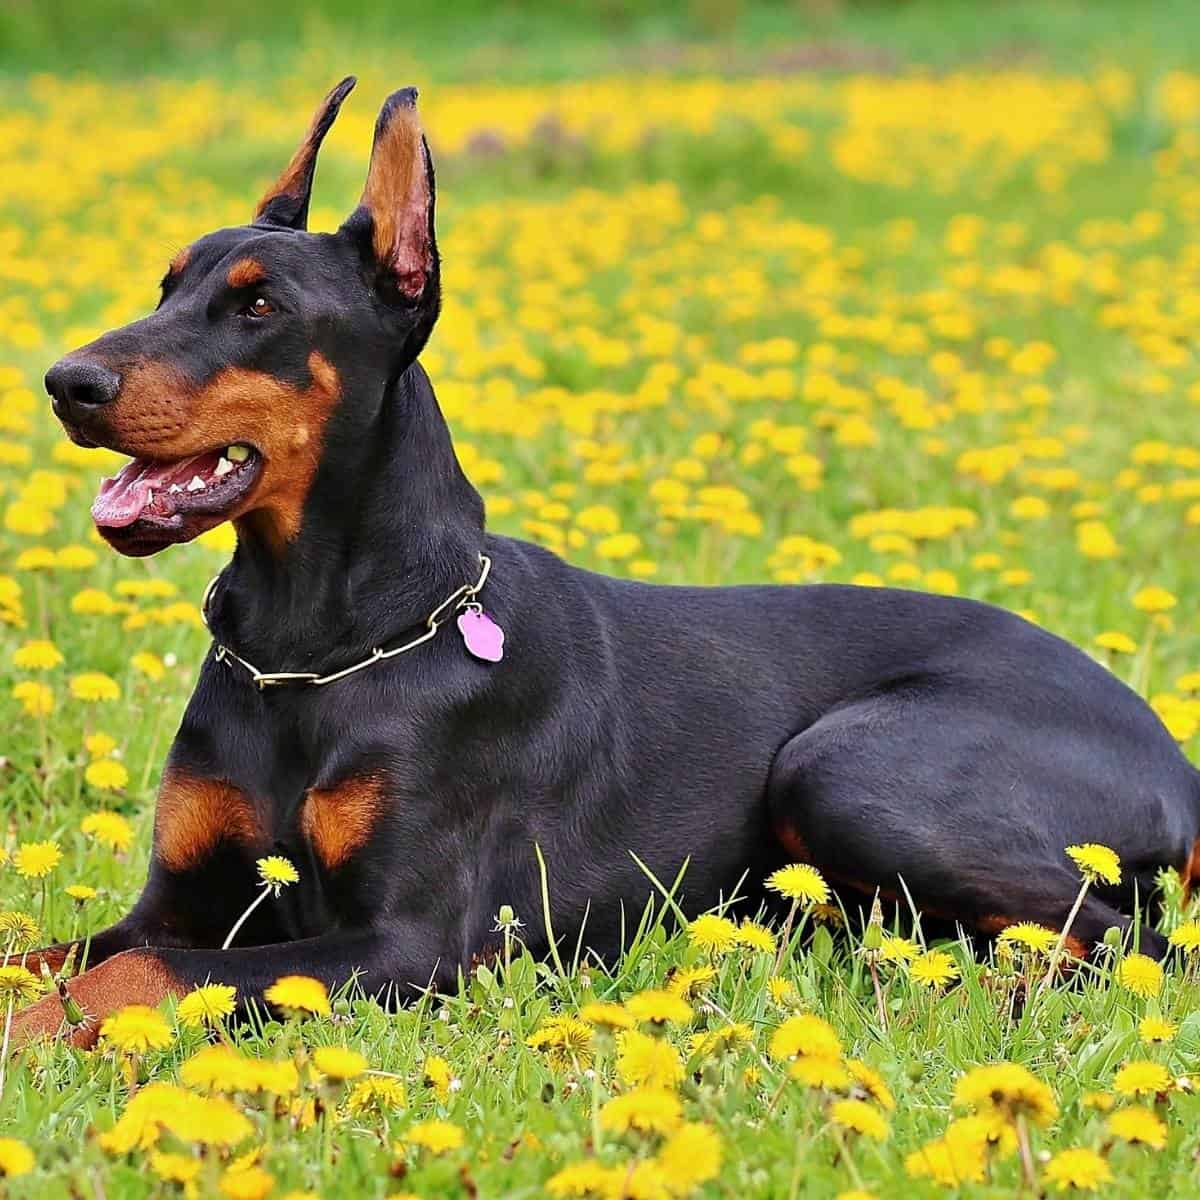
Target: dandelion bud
<point x="505" y="916"/>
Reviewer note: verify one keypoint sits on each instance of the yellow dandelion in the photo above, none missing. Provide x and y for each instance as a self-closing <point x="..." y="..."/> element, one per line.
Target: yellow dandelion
<point x="859" y="1117"/>
<point x="782" y="991"/>
<point x="1006" y="1088"/>
<point x="688" y="982"/>
<point x="299" y="994"/>
<point x="872" y="1083"/>
<point x="756" y="937"/>
<point x="175" y="1168"/>
<point x="651" y="1110"/>
<point x="18" y="985"/>
<point x="106" y="775"/>
<point x="94" y="687"/>
<point x="606" y="1016"/>
<point x="99" y="745"/>
<point x="820" y="1071"/>
<point x="800" y="883"/>
<point x="137" y="1028"/>
<point x="1141" y="975"/>
<point x="1138" y="1125"/>
<point x="377" y="1093"/>
<point x="1080" y="1169"/>
<point x="246" y="1183"/>
<point x="1117" y="642"/>
<point x="1098" y="1101"/>
<point x="565" y="1040"/>
<point x="206" y="1006"/>
<point x="898" y="950"/>
<point x="148" y="664"/>
<point x="109" y="829"/>
<point x="276" y="872"/>
<point x="438" y="1076"/>
<point x="438" y="1137"/>
<point x="81" y="893"/>
<point x="935" y="970"/>
<point x="339" y="1062"/>
<point x="1186" y="937"/>
<point x="659" y="1007"/>
<point x="1141" y="1077"/>
<point x="805" y="1034"/>
<point x="716" y="935"/>
<point x="1154" y="600"/>
<point x="587" y="1179"/>
<point x="35" y="698"/>
<point x="18" y="931"/>
<point x="689" y="1157"/>
<point x="652" y="1061"/>
<point x="39" y="655"/>
<point x="35" y="860"/>
<point x="15" y="1158"/>
<point x="1096" y="863"/>
<point x="1029" y="937"/>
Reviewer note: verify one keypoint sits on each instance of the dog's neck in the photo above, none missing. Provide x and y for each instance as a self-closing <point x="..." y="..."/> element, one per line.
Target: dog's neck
<point x="391" y="528"/>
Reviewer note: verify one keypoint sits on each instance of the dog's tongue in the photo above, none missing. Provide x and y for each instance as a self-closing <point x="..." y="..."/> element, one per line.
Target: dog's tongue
<point x="126" y="497"/>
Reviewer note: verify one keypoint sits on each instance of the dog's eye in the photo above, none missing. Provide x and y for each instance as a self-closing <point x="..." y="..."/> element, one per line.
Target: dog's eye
<point x="260" y="306"/>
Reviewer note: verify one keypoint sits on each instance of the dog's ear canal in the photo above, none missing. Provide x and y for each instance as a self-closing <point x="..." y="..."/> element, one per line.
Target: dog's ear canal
<point x="286" y="201"/>
<point x="394" y="218"/>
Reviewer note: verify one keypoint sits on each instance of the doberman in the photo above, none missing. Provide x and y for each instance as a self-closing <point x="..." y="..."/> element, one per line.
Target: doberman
<point x="408" y="707"/>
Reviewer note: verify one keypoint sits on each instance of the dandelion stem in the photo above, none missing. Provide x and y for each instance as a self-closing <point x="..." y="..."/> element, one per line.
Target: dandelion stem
<point x="785" y="935"/>
<point x="266" y="891"/>
<point x="1056" y="955"/>
<point x="1028" y="1171"/>
<point x="8" y="1016"/>
<point x="844" y="1150"/>
<point x="881" y="1008"/>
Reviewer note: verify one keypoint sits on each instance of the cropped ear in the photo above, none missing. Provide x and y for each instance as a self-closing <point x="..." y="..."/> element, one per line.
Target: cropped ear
<point x="398" y="199"/>
<point x="286" y="201"/>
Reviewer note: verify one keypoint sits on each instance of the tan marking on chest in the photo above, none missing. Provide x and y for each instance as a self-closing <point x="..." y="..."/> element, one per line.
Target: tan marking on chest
<point x="340" y="820"/>
<point x="194" y="815"/>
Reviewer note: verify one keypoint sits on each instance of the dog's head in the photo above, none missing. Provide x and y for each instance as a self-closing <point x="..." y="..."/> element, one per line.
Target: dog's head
<point x="227" y="395"/>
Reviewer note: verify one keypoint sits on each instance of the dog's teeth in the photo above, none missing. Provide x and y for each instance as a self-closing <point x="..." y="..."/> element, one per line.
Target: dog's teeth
<point x="149" y="496"/>
<point x="174" y="488"/>
<point x="196" y="484"/>
<point x="238" y="453"/>
<point x="223" y="468"/>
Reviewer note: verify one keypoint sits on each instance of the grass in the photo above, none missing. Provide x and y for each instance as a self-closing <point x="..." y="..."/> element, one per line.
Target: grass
<point x="923" y="328"/>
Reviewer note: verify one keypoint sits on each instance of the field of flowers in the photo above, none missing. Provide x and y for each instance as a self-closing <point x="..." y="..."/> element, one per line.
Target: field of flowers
<point x="928" y="330"/>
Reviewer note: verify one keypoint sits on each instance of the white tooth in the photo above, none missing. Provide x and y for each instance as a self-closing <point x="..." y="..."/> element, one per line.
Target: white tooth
<point x="223" y="468"/>
<point x="238" y="453"/>
<point x="149" y="495"/>
<point x="196" y="484"/>
<point x="174" y="488"/>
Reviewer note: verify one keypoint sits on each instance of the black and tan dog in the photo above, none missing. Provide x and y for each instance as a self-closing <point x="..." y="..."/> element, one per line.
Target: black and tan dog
<point x="882" y="735"/>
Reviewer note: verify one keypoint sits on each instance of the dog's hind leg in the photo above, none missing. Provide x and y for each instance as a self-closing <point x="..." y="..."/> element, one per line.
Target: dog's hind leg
<point x="905" y="792"/>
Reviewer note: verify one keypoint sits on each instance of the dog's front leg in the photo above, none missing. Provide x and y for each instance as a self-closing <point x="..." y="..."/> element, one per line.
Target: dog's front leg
<point x="150" y="975"/>
<point x="89" y="952"/>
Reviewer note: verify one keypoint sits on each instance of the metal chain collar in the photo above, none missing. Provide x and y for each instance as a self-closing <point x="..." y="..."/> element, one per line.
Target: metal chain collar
<point x="462" y="598"/>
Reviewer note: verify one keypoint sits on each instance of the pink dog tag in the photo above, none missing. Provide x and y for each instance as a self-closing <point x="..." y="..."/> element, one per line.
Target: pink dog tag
<point x="481" y="635"/>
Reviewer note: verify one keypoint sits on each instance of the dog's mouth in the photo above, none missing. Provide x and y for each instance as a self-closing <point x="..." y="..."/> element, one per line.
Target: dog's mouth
<point x="150" y="503"/>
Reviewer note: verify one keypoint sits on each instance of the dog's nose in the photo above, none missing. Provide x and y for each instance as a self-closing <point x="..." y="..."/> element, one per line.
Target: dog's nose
<point x="78" y="387"/>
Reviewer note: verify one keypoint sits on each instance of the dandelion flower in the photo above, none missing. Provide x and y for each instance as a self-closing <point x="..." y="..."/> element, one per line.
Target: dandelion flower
<point x="756" y="937"/>
<point x="99" y="745"/>
<point x="15" y="1158"/>
<point x="689" y="982"/>
<point x="81" y="893"/>
<point x="820" y="1071"/>
<point x="587" y="1178"/>
<point x="37" y="656"/>
<point x="800" y="883"/>
<point x="137" y="1028"/>
<point x="804" y="1034"/>
<point x="18" y="931"/>
<point x="646" y="1060"/>
<point x="175" y="1168"/>
<point x="1138" y="1125"/>
<point x="109" y="829"/>
<point x="35" y="860"/>
<point x="1006" y="1088"/>
<point x="206" y="1006"/>
<point x="898" y="950"/>
<point x="934" y="969"/>
<point x="1156" y="1030"/>
<point x="871" y="1082"/>
<point x="1186" y="937"/>
<point x="93" y="687"/>
<point x="438" y="1076"/>
<point x="276" y="872"/>
<point x="689" y="1157"/>
<point x="438" y="1137"/>
<point x="565" y="1040"/>
<point x="1096" y="863"/>
<point x="300" y="994"/>
<point x="717" y="935"/>
<point x="377" y="1093"/>
<point x="106" y="775"/>
<point x="859" y="1117"/>
<point x="1141" y="975"/>
<point x="950" y="1163"/>
<point x="606" y="1016"/>
<point x="1117" y="642"/>
<point x="35" y="698"/>
<point x="1027" y="936"/>
<point x="1141" y="1077"/>
<point x="18" y="985"/>
<point x="1154" y="600"/>
<point x="651" y="1110"/>
<point x="339" y="1062"/>
<point x="659" y="1007"/>
<point x="1081" y="1169"/>
<point x="148" y="664"/>
<point x="246" y="1183"/>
